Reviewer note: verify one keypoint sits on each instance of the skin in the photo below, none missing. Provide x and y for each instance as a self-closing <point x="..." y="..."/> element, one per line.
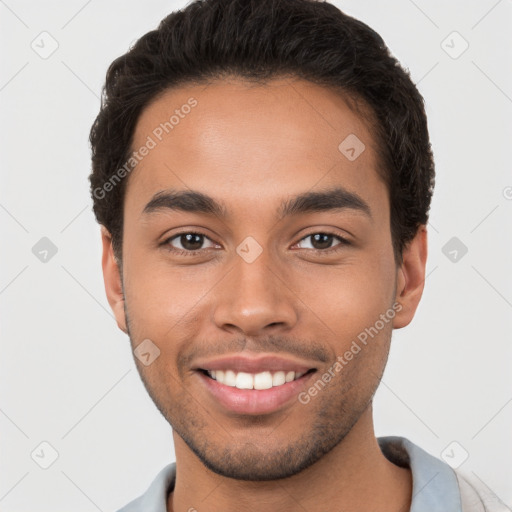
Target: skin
<point x="251" y="147"/>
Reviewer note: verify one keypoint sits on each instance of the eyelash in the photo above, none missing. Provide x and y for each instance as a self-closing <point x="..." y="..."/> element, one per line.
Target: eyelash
<point x="183" y="252"/>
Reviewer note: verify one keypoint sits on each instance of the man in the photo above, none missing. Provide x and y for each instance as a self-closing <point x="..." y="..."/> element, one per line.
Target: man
<point x="262" y="173"/>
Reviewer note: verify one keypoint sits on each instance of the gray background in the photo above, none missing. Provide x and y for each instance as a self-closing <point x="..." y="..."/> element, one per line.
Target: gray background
<point x="67" y="375"/>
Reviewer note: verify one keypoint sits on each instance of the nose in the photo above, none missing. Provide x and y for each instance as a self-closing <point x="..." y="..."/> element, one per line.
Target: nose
<point x="255" y="299"/>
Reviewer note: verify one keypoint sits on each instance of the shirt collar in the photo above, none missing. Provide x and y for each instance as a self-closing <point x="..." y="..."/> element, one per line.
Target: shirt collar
<point x="434" y="483"/>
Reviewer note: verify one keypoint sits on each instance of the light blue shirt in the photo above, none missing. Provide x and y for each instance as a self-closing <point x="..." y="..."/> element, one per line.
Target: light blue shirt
<point x="436" y="487"/>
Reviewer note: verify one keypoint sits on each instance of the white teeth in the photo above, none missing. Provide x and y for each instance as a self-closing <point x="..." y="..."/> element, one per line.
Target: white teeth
<point x="229" y="378"/>
<point x="262" y="380"/>
<point x="278" y="379"/>
<point x="244" y="380"/>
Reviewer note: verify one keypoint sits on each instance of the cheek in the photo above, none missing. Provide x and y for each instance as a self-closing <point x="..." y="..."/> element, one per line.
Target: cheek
<point x="352" y="296"/>
<point x="161" y="301"/>
<point x="161" y="285"/>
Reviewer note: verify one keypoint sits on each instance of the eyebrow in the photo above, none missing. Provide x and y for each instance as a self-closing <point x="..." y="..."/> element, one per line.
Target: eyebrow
<point x="333" y="199"/>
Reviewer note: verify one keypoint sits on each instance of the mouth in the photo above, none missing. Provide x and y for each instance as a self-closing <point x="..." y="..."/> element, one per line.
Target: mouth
<point x="258" y="381"/>
<point x="249" y="383"/>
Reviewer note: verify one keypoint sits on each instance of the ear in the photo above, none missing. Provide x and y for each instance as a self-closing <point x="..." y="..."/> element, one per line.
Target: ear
<point x="112" y="279"/>
<point x="411" y="278"/>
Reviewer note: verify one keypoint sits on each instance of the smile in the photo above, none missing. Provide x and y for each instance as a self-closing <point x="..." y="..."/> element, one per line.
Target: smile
<point x="246" y="393"/>
<point x="260" y="381"/>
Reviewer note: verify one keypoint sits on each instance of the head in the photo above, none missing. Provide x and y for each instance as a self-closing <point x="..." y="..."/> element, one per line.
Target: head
<point x="263" y="174"/>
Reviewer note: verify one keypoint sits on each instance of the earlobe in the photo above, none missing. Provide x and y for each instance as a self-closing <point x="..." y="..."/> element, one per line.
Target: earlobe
<point x="112" y="280"/>
<point x="411" y="278"/>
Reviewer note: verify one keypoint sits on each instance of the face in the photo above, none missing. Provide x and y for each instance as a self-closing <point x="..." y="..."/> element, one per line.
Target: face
<point x="252" y="283"/>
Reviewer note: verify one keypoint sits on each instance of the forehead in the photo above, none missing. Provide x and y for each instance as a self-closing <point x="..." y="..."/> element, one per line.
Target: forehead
<point x="243" y="142"/>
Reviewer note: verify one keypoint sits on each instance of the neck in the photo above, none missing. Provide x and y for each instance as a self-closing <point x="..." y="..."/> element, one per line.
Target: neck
<point x="355" y="475"/>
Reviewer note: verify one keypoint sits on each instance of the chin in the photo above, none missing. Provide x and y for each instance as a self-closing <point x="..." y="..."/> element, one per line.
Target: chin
<point x="250" y="462"/>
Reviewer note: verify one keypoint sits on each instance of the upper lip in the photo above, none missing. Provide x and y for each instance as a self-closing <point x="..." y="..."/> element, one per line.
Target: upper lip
<point x="254" y="364"/>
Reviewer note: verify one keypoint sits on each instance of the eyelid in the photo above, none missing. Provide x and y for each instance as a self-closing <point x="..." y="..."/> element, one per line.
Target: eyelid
<point x="343" y="241"/>
<point x="167" y="241"/>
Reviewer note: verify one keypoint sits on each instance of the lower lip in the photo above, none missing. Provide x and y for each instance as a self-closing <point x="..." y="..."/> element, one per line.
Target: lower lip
<point x="254" y="401"/>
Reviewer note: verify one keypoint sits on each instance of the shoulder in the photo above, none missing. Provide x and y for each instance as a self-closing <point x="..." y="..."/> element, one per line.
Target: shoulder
<point x="436" y="485"/>
<point x="475" y="496"/>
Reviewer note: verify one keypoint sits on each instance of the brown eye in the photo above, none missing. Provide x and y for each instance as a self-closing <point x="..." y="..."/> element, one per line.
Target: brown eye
<point x="323" y="241"/>
<point x="187" y="242"/>
<point x="191" y="241"/>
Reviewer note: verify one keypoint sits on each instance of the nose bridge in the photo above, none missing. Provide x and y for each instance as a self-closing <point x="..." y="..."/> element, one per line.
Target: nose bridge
<point x="253" y="296"/>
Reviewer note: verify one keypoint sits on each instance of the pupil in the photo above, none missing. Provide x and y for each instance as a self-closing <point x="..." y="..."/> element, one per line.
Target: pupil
<point x="188" y="243"/>
<point x="323" y="239"/>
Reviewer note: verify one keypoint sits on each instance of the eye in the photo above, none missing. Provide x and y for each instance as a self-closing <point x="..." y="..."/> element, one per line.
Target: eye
<point x="191" y="243"/>
<point x="322" y="242"/>
<point x="187" y="243"/>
